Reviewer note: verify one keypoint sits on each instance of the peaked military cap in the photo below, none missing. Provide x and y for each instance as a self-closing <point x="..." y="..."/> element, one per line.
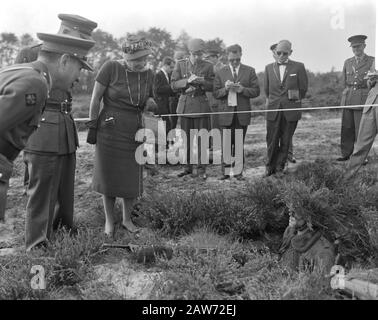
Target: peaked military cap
<point x="195" y="45"/>
<point x="73" y="38"/>
<point x="76" y="26"/>
<point x="179" y="55"/>
<point x="356" y="40"/>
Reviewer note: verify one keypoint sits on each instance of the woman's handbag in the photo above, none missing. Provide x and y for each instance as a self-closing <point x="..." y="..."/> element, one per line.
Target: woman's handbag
<point x="92" y="131"/>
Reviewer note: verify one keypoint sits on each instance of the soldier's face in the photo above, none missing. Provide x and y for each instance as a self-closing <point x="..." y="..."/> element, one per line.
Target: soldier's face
<point x="359" y="49"/>
<point x="137" y="64"/>
<point x="196" y="56"/>
<point x="70" y="71"/>
<point x="234" y="59"/>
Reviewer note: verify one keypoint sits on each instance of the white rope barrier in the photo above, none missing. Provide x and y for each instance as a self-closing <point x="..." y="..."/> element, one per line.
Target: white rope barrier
<point x="253" y="111"/>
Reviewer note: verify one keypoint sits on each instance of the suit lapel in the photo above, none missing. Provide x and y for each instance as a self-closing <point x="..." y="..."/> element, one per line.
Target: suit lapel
<point x="276" y="71"/>
<point x="240" y="73"/>
<point x="287" y="70"/>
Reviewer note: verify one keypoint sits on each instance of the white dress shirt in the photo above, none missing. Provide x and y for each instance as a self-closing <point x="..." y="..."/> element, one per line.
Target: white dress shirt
<point x="236" y="69"/>
<point x="166" y="74"/>
<point x="282" y="69"/>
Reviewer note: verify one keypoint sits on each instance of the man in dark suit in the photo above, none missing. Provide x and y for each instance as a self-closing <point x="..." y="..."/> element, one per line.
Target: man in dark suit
<point x="163" y="90"/>
<point x="290" y="155"/>
<point x="285" y="84"/>
<point x="234" y="85"/>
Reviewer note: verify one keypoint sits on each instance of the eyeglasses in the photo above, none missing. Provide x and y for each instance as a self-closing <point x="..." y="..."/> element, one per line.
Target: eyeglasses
<point x="279" y="53"/>
<point x="234" y="60"/>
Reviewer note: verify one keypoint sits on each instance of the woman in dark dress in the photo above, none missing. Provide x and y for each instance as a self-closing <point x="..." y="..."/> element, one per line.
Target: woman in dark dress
<point x="125" y="86"/>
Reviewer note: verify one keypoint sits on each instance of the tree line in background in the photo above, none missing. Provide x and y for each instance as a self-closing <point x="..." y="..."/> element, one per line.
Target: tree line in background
<point x="325" y="88"/>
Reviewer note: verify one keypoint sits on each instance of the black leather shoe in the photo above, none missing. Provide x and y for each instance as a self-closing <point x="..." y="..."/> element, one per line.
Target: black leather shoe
<point x="292" y="160"/>
<point x="224" y="177"/>
<point x="185" y="173"/>
<point x="342" y="159"/>
<point x="366" y="161"/>
<point x="269" y="172"/>
<point x="239" y="177"/>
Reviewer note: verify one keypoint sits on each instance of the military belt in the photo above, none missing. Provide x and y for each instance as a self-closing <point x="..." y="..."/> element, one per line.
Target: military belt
<point x="356" y="86"/>
<point x="63" y="107"/>
<point x="195" y="93"/>
<point x="8" y="150"/>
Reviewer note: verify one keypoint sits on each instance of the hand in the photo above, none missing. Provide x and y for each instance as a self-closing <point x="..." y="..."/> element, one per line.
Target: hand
<point x="192" y="78"/>
<point x="229" y="85"/>
<point x="92" y="136"/>
<point x="239" y="88"/>
<point x="151" y="105"/>
<point x="371" y="83"/>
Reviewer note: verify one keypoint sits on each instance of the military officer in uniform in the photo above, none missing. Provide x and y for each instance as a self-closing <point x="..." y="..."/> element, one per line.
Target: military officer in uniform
<point x="355" y="93"/>
<point x="50" y="151"/>
<point x="23" y="93"/>
<point x="192" y="77"/>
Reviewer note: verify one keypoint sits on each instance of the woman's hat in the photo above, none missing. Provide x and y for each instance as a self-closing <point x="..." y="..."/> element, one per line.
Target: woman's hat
<point x="136" y="47"/>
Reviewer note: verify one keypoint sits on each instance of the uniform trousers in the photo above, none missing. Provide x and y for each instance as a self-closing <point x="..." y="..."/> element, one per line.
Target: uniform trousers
<point x="187" y="124"/>
<point x="6" y="168"/>
<point x="3" y="198"/>
<point x="51" y="195"/>
<point x="350" y="125"/>
<point x="366" y="135"/>
<point x="279" y="134"/>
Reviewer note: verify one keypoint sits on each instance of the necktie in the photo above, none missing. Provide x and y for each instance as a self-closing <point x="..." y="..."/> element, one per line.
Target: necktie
<point x="358" y="61"/>
<point x="234" y="74"/>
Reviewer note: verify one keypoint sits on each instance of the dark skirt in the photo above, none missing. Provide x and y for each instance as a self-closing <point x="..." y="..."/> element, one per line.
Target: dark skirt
<point x="116" y="172"/>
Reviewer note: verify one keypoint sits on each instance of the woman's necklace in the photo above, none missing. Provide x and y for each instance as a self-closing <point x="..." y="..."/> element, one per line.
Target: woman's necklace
<point x="139" y="90"/>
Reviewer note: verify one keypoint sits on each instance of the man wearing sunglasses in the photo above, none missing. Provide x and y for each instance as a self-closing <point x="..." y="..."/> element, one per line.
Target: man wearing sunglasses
<point x="234" y="85"/>
<point x="290" y="156"/>
<point x="285" y="84"/>
<point x="355" y="93"/>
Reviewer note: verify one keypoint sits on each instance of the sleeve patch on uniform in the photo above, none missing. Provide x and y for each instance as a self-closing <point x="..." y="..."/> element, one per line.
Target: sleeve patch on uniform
<point x="31" y="99"/>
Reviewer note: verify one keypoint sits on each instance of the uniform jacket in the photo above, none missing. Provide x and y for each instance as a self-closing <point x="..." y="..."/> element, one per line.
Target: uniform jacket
<point x="195" y="101"/>
<point x="162" y="92"/>
<point x="248" y="79"/>
<point x="57" y="132"/>
<point x="295" y="78"/>
<point x="356" y="89"/>
<point x="23" y="92"/>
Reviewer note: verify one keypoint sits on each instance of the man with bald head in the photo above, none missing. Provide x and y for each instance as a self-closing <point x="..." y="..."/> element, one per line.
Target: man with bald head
<point x="285" y="85"/>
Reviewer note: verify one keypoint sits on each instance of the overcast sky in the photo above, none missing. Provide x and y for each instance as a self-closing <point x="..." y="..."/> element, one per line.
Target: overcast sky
<point x="318" y="29"/>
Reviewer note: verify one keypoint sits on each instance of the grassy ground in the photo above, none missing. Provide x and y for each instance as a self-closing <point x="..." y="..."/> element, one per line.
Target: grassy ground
<point x="184" y="212"/>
